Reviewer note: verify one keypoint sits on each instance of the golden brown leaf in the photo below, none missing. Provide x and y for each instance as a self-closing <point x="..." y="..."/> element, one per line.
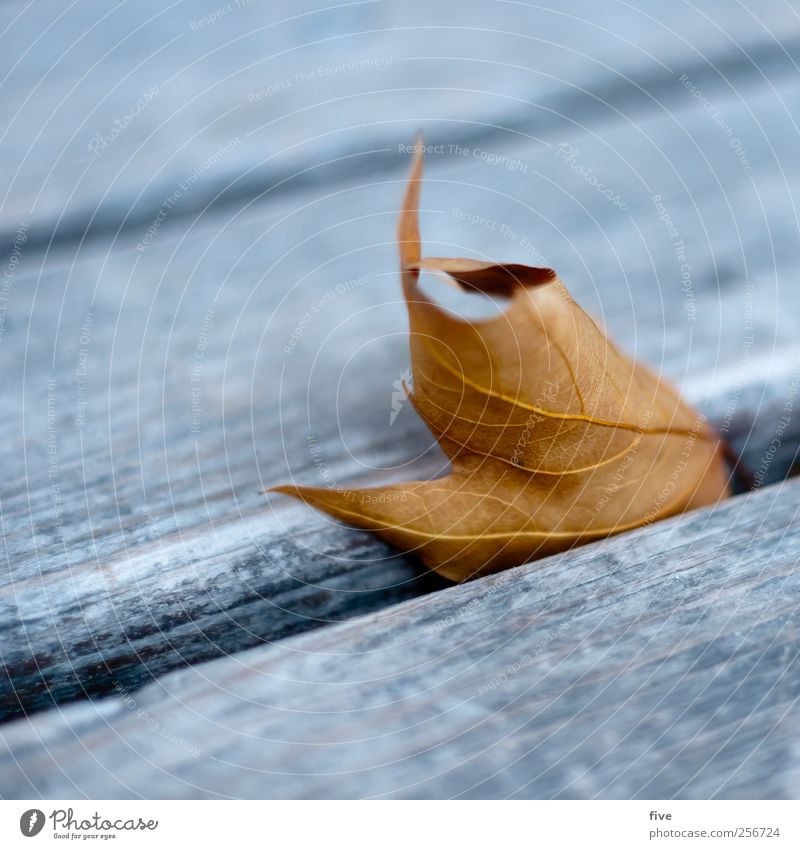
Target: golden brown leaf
<point x="555" y="438"/>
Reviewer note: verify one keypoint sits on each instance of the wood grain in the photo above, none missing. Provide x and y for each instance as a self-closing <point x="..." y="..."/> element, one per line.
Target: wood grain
<point x="137" y="540"/>
<point x="110" y="108"/>
<point x="659" y="665"/>
<point x="154" y="382"/>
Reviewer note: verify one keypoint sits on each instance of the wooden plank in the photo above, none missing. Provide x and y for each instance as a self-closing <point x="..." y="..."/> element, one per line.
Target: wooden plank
<point x="659" y="665"/>
<point x="98" y="96"/>
<point x="179" y="601"/>
<point x="138" y="524"/>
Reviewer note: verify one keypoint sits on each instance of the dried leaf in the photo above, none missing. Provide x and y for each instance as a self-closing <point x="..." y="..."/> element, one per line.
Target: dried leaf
<point x="555" y="438"/>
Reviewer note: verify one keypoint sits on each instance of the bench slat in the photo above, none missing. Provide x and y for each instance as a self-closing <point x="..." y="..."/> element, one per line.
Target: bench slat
<point x="659" y="665"/>
<point x="123" y="525"/>
<point x="97" y="97"/>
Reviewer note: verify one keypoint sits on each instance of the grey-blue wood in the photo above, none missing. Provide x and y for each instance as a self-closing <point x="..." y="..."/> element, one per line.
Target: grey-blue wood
<point x="110" y="108"/>
<point x="661" y="664"/>
<point x="160" y="368"/>
<point x="135" y="535"/>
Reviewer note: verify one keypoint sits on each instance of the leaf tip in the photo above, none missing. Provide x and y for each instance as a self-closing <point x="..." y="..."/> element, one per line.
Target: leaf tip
<point x="283" y="489"/>
<point x="408" y="226"/>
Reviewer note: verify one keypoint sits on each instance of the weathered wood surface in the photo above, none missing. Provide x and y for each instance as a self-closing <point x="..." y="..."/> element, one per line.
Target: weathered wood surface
<point x="108" y="108"/>
<point x="135" y="543"/>
<point x="135" y="537"/>
<point x="662" y="664"/>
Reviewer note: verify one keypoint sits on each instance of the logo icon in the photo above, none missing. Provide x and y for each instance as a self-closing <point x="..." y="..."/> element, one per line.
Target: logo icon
<point x="31" y="822"/>
<point x="401" y="390"/>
